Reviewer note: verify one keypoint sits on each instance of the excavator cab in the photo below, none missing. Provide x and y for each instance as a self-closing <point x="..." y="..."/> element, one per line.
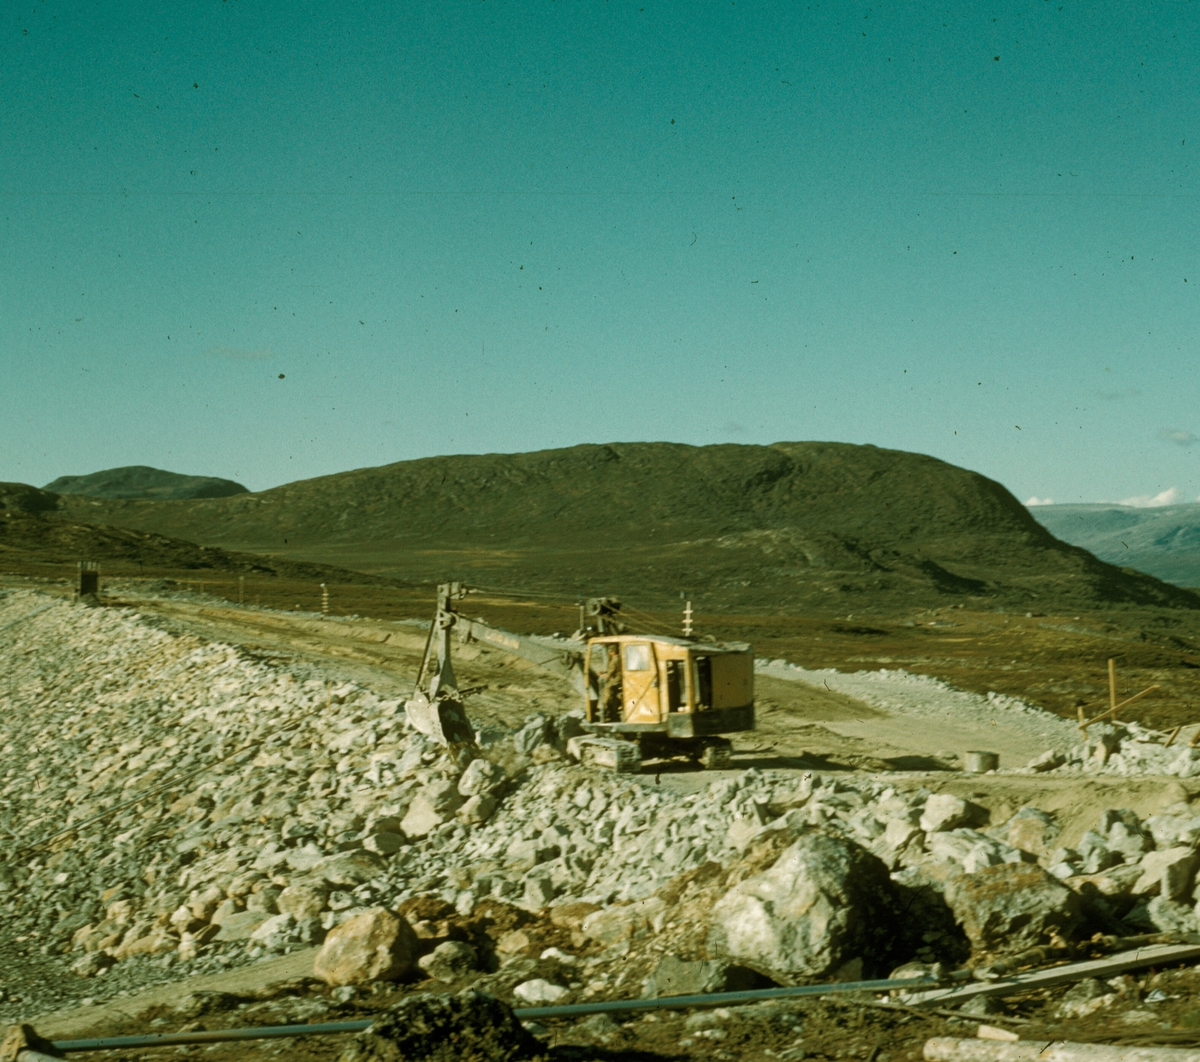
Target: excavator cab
<point x="669" y="694"/>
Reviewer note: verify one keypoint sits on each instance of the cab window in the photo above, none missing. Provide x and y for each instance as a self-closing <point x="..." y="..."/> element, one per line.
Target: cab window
<point x="637" y="657"/>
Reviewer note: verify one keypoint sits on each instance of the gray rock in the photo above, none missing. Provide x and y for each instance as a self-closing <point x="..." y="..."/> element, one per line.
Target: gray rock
<point x="1047" y="761"/>
<point x="1167" y="916"/>
<point x="92" y="964"/>
<point x="442" y="795"/>
<point x="1123" y="831"/>
<point x="421" y="818"/>
<point x="348" y="868"/>
<point x="384" y="843"/>
<point x="1033" y="830"/>
<point x="241" y="925"/>
<point x="622" y="922"/>
<point x="676" y="977"/>
<point x="1170" y="830"/>
<point x="1096" y="855"/>
<point x="481" y="776"/>
<point x="1130" y="842"/>
<point x="434" y="805"/>
<point x="1013" y="906"/>
<point x="601" y="1028"/>
<point x="477" y="810"/>
<point x="539" y="992"/>
<point x="225" y="910"/>
<point x="265" y="900"/>
<point x="525" y="854"/>
<point x="275" y="932"/>
<point x="539" y="891"/>
<point x="449" y="961"/>
<point x="533" y="733"/>
<point x="824" y="902"/>
<point x="302" y="901"/>
<point x="970" y="849"/>
<point x="1167" y="872"/>
<point x="943" y="811"/>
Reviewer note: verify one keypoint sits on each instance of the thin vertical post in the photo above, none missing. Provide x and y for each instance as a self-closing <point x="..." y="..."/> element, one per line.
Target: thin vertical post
<point x="324" y="600"/>
<point x="1112" y="686"/>
<point x="687" y="620"/>
<point x="241" y="589"/>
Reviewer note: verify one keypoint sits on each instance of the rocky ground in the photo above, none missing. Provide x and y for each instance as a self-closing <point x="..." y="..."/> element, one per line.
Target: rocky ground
<point x="179" y="807"/>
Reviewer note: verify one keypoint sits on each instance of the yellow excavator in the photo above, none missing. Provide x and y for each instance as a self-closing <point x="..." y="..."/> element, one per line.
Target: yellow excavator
<point x="644" y="695"/>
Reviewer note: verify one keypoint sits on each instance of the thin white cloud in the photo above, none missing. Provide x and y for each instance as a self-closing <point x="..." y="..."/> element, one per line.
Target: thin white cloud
<point x="1178" y="436"/>
<point x="1152" y="501"/>
<point x="236" y="354"/>
<point x="1035" y="500"/>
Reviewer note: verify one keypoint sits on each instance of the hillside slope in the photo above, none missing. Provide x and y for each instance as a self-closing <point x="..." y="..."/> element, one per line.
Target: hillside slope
<point x="1164" y="541"/>
<point x="799" y="526"/>
<point x="35" y="539"/>
<point x="141" y="481"/>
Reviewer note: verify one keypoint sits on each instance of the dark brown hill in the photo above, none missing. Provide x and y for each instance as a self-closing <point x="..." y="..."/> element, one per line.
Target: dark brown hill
<point x="142" y="481"/>
<point x="792" y="526"/>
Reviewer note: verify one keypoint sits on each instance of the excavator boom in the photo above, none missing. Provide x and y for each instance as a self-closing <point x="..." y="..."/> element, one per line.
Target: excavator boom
<point x="567" y="663"/>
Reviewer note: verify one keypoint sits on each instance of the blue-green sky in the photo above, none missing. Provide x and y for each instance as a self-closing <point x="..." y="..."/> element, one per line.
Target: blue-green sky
<point x="275" y="240"/>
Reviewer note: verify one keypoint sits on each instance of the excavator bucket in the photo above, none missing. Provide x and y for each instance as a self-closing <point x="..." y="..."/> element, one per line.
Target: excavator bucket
<point x="442" y="719"/>
<point x="439" y="714"/>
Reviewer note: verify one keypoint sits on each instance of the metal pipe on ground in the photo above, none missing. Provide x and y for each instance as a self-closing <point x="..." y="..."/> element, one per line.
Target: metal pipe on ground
<point x="1160" y="955"/>
<point x="710" y="999"/>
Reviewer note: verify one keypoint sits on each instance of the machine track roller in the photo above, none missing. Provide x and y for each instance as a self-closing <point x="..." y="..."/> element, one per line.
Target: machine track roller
<point x="717" y="755"/>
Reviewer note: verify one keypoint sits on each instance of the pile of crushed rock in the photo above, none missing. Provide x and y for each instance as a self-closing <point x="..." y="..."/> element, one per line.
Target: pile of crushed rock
<point x="223" y="808"/>
<point x="1106" y="748"/>
<point x="1125" y="749"/>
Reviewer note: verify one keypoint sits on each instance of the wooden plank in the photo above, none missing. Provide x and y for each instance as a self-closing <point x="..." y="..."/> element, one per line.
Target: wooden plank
<point x="1139" y="958"/>
<point x="949" y="1049"/>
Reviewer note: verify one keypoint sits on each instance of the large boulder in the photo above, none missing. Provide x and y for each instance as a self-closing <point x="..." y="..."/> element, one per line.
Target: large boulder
<point x="1013" y="906"/>
<point x="374" y="945"/>
<point x="824" y="902"/>
<point x="427" y="1028"/>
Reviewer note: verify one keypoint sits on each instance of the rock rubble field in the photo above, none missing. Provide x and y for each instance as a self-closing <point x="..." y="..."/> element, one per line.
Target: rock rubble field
<point x="174" y="806"/>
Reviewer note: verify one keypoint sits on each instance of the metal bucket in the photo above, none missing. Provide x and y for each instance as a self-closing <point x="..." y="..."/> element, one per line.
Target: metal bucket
<point x="980" y="762"/>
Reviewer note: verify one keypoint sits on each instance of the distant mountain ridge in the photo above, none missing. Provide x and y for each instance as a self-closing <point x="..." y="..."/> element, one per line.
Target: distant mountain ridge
<point x="142" y="481"/>
<point x="1163" y="541"/>
<point x="797" y="526"/>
